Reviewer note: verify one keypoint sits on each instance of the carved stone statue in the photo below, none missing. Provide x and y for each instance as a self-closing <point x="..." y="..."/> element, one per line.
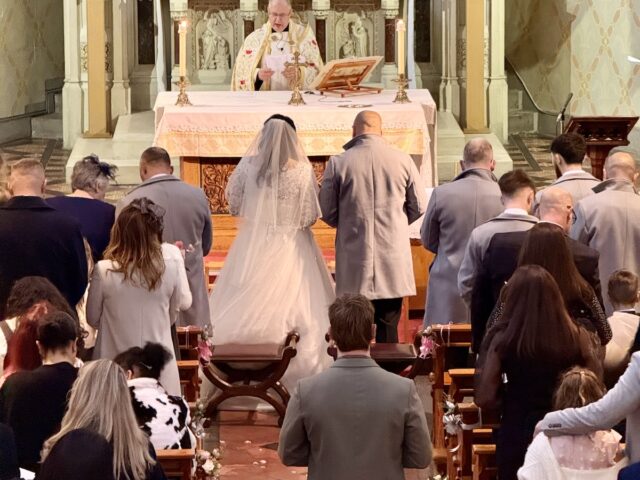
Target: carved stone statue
<point x="356" y="43"/>
<point x="214" y="47"/>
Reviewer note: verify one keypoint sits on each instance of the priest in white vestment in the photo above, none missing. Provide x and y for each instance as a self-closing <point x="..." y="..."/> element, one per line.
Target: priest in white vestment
<point x="259" y="65"/>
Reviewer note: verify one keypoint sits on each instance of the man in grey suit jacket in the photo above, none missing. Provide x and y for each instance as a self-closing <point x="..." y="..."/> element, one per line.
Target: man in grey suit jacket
<point x="371" y="193"/>
<point x="187" y="220"/>
<point x="567" y="152"/>
<point x="454" y="210"/>
<point x="610" y="220"/>
<point x="518" y="191"/>
<point x="355" y="421"/>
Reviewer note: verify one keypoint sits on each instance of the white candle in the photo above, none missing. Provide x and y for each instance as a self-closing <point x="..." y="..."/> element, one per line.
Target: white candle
<point x="400" y="38"/>
<point x="182" y="31"/>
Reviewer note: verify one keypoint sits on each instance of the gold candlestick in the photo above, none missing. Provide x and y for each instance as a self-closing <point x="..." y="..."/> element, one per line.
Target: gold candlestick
<point x="183" y="98"/>
<point x="296" y="85"/>
<point x="403" y="83"/>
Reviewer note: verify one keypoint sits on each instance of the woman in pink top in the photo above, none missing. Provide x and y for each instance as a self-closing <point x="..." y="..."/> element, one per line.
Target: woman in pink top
<point x="594" y="455"/>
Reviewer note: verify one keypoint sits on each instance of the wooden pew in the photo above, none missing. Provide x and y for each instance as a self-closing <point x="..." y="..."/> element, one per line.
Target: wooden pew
<point x="188" y="338"/>
<point x="189" y="379"/>
<point x="484" y="462"/>
<point x="177" y="463"/>
<point x="446" y="337"/>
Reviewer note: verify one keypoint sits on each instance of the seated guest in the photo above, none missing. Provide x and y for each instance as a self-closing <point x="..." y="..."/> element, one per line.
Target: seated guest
<point x="354" y="420"/>
<point x="622" y="401"/>
<point x="138" y="289"/>
<point x="546" y="246"/>
<point x="89" y="182"/>
<point x="22" y="351"/>
<point x="38" y="240"/>
<point x="31" y="298"/>
<point x="80" y="455"/>
<point x="164" y="418"/>
<point x="624" y="295"/>
<point x="517" y="191"/>
<point x="99" y="402"/>
<point x="9" y="469"/>
<point x="593" y="455"/>
<point x="33" y="403"/>
<point x="501" y="259"/>
<point x="533" y="343"/>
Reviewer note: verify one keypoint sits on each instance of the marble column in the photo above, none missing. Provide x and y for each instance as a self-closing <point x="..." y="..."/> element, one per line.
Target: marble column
<point x="449" y="84"/>
<point x="179" y="10"/>
<point x="475" y="102"/>
<point x="321" y="10"/>
<point x="72" y="95"/>
<point x="120" y="91"/>
<point x="96" y="67"/>
<point x="498" y="94"/>
<point x="391" y="9"/>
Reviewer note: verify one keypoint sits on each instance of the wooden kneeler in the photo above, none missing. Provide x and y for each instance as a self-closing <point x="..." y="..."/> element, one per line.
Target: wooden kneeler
<point x="264" y="365"/>
<point x="177" y="463"/>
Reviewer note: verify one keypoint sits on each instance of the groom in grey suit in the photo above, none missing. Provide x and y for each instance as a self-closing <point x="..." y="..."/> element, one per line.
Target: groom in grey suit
<point x="187" y="219"/>
<point x="371" y="193"/>
<point x="355" y="421"/>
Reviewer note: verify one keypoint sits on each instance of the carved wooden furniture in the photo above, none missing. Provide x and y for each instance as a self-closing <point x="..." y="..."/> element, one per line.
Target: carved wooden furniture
<point x="233" y="368"/>
<point x="601" y="134"/>
<point x="177" y="463"/>
<point x="344" y="77"/>
<point x="399" y="358"/>
<point x="447" y="338"/>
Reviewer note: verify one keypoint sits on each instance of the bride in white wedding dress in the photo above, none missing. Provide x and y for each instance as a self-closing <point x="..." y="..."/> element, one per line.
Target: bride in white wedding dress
<point x="274" y="278"/>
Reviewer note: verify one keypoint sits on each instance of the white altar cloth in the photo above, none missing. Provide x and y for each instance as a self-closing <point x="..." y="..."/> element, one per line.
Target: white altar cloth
<point x="223" y="124"/>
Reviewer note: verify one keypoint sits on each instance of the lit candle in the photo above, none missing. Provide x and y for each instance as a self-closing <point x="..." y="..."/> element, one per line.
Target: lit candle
<point x="182" y="31"/>
<point x="400" y="38"/>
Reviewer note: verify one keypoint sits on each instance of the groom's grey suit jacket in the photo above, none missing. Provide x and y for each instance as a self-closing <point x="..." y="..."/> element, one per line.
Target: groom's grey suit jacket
<point x="187" y="219"/>
<point x="355" y="421"/>
<point x="371" y="193"/>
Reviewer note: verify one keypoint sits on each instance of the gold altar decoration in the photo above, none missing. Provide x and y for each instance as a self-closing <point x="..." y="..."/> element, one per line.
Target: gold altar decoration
<point x="296" y="84"/>
<point x="401" y="95"/>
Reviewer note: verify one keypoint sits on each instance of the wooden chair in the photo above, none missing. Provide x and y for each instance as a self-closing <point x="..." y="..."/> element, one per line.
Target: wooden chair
<point x="265" y="366"/>
<point x="177" y="463"/>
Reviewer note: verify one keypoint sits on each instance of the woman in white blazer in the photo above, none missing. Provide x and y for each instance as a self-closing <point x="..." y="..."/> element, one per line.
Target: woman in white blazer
<point x="138" y="289"/>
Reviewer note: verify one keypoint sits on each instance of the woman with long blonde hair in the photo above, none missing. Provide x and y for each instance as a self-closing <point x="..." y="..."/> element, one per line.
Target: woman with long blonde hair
<point x="138" y="289"/>
<point x="99" y="402"/>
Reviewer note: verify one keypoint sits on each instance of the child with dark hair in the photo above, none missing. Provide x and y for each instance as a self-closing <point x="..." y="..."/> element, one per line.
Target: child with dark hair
<point x="164" y="418"/>
<point x="593" y="455"/>
<point x="624" y="293"/>
<point x="33" y="403"/>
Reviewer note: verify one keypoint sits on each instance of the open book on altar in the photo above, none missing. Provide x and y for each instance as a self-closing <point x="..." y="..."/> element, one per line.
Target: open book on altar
<point x="344" y="76"/>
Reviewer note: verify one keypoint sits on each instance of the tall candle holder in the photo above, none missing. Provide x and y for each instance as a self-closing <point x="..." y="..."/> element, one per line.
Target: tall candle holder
<point x="403" y="83"/>
<point x="296" y="84"/>
<point x="183" y="98"/>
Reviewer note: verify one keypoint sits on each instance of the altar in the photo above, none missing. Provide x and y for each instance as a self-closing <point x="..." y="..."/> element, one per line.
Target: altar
<point x="211" y="136"/>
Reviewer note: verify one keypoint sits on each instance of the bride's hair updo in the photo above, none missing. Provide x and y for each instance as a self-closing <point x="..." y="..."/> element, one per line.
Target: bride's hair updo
<point x="284" y="118"/>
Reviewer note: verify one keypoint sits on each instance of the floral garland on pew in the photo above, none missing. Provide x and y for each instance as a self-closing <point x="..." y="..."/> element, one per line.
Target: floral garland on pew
<point x="208" y="463"/>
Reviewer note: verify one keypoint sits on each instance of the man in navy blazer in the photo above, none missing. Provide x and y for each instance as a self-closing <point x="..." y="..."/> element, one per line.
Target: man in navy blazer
<point x="38" y="240"/>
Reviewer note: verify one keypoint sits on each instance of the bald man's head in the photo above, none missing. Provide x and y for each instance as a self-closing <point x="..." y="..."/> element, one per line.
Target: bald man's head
<point x="478" y="153"/>
<point x="621" y="165"/>
<point x="27" y="179"/>
<point x="367" y="122"/>
<point x="556" y="206"/>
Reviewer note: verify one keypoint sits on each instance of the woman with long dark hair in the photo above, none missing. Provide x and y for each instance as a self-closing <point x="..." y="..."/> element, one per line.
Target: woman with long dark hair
<point x="533" y="342"/>
<point x="138" y="289"/>
<point x="546" y="245"/>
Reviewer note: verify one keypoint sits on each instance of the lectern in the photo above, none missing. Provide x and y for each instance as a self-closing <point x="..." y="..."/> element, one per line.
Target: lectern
<point x="601" y="134"/>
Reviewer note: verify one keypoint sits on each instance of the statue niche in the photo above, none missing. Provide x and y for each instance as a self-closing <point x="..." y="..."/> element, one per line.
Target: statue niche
<point x="354" y="35"/>
<point x="214" y="36"/>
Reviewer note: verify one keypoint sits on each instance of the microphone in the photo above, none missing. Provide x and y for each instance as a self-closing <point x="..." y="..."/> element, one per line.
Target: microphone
<point x="564" y="108"/>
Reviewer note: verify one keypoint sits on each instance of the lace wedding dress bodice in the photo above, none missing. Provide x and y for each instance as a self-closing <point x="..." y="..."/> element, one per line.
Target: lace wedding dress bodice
<point x="294" y="195"/>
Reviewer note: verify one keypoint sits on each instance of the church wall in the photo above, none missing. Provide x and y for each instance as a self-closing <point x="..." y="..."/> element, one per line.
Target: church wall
<point x="538" y="44"/>
<point x="31" y="51"/>
<point x="559" y="46"/>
